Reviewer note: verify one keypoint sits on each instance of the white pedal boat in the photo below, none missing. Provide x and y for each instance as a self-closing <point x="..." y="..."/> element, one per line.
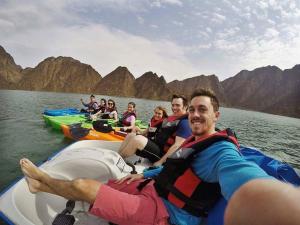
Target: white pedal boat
<point x="86" y="159"/>
<point x="99" y="160"/>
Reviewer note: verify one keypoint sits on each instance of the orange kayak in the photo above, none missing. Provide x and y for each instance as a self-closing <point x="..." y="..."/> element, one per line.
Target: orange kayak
<point x="80" y="133"/>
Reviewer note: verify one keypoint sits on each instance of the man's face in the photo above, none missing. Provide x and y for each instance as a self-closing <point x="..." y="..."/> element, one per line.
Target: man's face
<point x="202" y="118"/>
<point x="177" y="106"/>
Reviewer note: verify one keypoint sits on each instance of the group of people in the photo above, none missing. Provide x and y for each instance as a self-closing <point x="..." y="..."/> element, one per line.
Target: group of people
<point x="108" y="110"/>
<point x="195" y="166"/>
<point x="93" y="106"/>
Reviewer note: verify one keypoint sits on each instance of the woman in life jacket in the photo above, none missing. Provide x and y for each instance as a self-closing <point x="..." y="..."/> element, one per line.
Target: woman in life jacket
<point x="160" y="113"/>
<point x="101" y="110"/>
<point x="102" y="106"/>
<point x="110" y="111"/>
<point x="127" y="122"/>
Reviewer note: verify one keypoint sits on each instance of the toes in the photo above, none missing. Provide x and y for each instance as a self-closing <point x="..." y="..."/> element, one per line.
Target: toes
<point x="21" y="162"/>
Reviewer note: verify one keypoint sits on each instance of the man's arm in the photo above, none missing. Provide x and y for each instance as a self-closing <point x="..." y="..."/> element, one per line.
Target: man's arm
<point x="267" y="202"/>
<point x="183" y="132"/>
<point x="178" y="142"/>
<point x="84" y="104"/>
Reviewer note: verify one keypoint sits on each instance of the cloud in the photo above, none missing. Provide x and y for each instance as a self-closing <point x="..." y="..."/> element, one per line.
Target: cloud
<point x="160" y="3"/>
<point x="218" y="18"/>
<point x="103" y="48"/>
<point x="220" y="37"/>
<point x="154" y="26"/>
<point x="262" y="4"/>
<point x="120" y="6"/>
<point x="173" y="2"/>
<point x="177" y="23"/>
<point x="227" y="33"/>
<point x="271" y="33"/>
<point x="273" y="52"/>
<point x="141" y="20"/>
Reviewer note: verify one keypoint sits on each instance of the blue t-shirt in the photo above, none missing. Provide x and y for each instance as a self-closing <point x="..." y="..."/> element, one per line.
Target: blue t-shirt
<point x="222" y="163"/>
<point x="183" y="129"/>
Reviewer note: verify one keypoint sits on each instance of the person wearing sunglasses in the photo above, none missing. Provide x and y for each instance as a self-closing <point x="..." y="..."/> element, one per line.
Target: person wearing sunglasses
<point x="110" y="111"/>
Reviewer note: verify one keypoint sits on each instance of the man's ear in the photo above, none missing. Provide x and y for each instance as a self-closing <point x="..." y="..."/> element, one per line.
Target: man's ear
<point x="217" y="115"/>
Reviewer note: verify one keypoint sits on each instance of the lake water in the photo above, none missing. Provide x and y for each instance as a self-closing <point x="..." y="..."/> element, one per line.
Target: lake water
<point x="23" y="132"/>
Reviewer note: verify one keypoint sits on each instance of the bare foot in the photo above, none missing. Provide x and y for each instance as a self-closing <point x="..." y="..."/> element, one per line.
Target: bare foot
<point x="30" y="170"/>
<point x="33" y="185"/>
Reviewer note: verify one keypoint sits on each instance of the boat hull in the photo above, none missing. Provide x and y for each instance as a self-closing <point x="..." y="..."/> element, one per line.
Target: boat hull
<point x="100" y="162"/>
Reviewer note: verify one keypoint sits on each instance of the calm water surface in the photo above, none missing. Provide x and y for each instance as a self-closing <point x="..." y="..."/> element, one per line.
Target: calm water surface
<point x="24" y="134"/>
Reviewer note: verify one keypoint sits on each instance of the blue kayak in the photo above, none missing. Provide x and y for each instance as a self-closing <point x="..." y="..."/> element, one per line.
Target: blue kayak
<point x="62" y="112"/>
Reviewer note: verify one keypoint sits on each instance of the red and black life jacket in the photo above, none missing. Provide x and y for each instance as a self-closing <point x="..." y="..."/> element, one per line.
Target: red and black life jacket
<point x="102" y="108"/>
<point x="106" y="114"/>
<point x="93" y="107"/>
<point x="153" y="128"/>
<point x="125" y="116"/>
<point x="181" y="186"/>
<point x="166" y="135"/>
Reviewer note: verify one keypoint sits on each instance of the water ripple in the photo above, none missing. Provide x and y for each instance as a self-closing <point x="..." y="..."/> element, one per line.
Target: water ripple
<point x="24" y="133"/>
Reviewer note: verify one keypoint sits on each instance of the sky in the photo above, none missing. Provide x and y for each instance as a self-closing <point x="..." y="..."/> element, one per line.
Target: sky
<point x="174" y="38"/>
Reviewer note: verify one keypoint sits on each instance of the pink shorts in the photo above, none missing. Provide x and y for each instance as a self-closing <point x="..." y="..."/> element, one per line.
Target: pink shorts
<point x="125" y="204"/>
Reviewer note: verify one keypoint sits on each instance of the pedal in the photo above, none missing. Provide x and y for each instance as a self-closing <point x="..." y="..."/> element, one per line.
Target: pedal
<point x="64" y="218"/>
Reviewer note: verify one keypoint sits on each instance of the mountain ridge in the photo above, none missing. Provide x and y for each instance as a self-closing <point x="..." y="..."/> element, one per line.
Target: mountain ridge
<point x="266" y="89"/>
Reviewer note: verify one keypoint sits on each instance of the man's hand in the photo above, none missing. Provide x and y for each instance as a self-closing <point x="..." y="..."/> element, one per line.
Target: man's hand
<point x="130" y="178"/>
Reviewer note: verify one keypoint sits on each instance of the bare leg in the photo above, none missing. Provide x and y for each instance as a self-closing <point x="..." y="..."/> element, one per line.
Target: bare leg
<point x="267" y="202"/>
<point x="137" y="142"/>
<point x="37" y="186"/>
<point x="78" y="189"/>
<point x="128" y="139"/>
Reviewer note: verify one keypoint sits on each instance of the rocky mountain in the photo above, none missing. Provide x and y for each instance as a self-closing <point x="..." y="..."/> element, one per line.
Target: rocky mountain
<point x="61" y="74"/>
<point x="151" y="86"/>
<point x="267" y="89"/>
<point x="10" y="72"/>
<point x="188" y="86"/>
<point x="119" y="82"/>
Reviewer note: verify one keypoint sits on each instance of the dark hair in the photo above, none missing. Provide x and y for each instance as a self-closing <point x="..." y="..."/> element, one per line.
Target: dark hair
<point x="114" y="104"/>
<point x="103" y="99"/>
<point x="163" y="109"/>
<point x="92" y="96"/>
<point x="131" y="103"/>
<point x="184" y="99"/>
<point x="209" y="93"/>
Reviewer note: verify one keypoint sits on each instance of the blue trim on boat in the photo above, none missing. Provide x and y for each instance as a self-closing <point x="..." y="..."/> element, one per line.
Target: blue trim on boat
<point x="6" y="220"/>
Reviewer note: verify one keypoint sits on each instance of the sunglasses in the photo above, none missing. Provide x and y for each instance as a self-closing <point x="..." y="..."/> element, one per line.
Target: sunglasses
<point x="110" y="103"/>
